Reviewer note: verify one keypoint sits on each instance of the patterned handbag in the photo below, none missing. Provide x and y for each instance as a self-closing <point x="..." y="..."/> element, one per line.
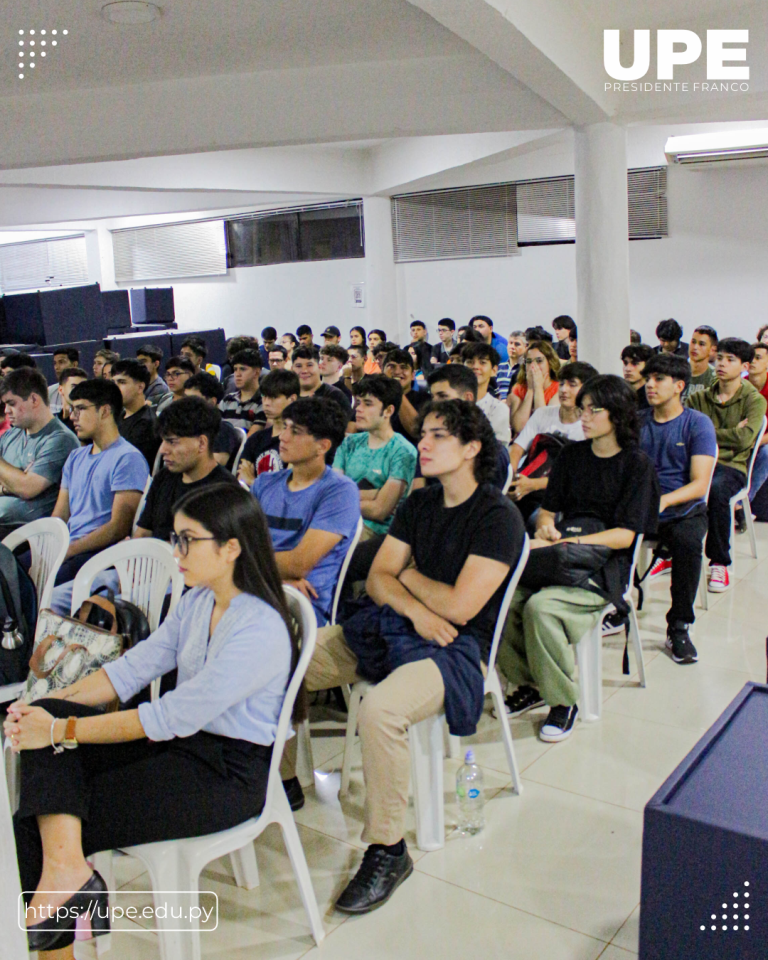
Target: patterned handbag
<point x="69" y="649"/>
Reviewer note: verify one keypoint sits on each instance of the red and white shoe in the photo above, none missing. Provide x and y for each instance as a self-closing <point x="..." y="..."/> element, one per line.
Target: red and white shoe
<point x="660" y="567"/>
<point x="718" y="578"/>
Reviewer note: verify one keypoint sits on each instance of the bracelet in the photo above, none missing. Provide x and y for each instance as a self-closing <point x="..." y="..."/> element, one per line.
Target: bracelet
<point x="56" y="747"/>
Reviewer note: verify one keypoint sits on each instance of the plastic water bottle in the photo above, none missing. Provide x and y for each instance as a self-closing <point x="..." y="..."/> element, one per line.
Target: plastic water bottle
<point x="470" y="796"/>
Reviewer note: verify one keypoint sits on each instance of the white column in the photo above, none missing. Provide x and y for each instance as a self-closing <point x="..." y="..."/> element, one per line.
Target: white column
<point x="381" y="300"/>
<point x="602" y="245"/>
<point x="101" y="263"/>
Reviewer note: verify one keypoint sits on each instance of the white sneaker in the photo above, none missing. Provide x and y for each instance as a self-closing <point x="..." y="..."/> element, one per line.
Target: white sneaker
<point x="718" y="578"/>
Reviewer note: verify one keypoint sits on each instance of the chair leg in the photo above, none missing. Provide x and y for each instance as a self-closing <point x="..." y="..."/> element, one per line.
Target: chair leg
<point x="170" y="883"/>
<point x="493" y="686"/>
<point x="426" y="743"/>
<point x="637" y="644"/>
<point x="703" y="598"/>
<point x="589" y="656"/>
<point x="104" y="863"/>
<point x="356" y="695"/>
<point x="750" y="527"/>
<point x="305" y="767"/>
<point x="244" y="867"/>
<point x="295" y="850"/>
<point x="452" y="745"/>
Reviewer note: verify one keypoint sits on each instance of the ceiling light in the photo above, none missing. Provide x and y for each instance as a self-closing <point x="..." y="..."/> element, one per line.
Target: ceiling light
<point x="130" y="11"/>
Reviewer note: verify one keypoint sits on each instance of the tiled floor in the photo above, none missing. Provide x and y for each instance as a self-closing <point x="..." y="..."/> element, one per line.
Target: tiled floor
<point x="556" y="873"/>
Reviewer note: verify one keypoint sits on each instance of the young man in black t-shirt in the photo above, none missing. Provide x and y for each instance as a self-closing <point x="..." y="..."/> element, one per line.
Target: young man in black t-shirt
<point x="261" y="451"/>
<point x="137" y="423"/>
<point x="188" y="428"/>
<point x="399" y="365"/>
<point x="605" y="478"/>
<point x="437" y="584"/>
<point x="228" y="439"/>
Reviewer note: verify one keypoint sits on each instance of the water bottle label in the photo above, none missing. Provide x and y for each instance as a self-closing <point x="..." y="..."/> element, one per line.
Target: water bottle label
<point x="474" y="793"/>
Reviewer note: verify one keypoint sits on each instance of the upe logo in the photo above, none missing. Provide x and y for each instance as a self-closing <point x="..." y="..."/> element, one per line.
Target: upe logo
<point x="677" y="47"/>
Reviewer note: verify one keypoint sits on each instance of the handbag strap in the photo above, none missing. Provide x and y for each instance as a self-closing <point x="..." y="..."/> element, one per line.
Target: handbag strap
<point x="95" y="601"/>
<point x="35" y="664"/>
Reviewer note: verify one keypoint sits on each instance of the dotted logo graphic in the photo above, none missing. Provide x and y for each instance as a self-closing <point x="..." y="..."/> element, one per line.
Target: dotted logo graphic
<point x="34" y="45"/>
<point x="734" y="917"/>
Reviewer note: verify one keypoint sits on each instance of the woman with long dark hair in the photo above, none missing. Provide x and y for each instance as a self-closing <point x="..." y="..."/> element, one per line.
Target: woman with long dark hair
<point x="606" y="492"/>
<point x="193" y="762"/>
<point x="357" y="337"/>
<point x="375" y="339"/>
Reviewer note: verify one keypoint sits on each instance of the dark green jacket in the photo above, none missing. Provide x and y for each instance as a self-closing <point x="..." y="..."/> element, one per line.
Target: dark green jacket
<point x="734" y="442"/>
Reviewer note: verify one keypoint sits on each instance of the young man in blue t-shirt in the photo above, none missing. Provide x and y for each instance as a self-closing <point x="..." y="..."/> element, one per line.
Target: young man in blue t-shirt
<point x="312" y="511"/>
<point x="681" y="442"/>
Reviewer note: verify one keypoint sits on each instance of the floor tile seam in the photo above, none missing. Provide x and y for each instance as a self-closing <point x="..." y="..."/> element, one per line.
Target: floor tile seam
<point x="584" y="796"/>
<point x="671" y="726"/>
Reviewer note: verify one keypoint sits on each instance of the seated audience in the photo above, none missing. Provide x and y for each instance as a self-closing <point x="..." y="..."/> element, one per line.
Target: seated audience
<point x="703" y="341"/>
<point x="32" y="452"/>
<point x="67" y="380"/>
<point x="177" y="371"/>
<point x="261" y="453"/>
<point x="562" y="326"/>
<point x="63" y="358"/>
<point x="106" y="371"/>
<point x="278" y="357"/>
<point x="188" y="430"/>
<point x="536" y="383"/>
<point x="307" y="369"/>
<point x="380" y="461"/>
<point x="398" y="365"/>
<point x="446" y="332"/>
<point x="681" y="443"/>
<point x="331" y="336"/>
<point x="563" y="421"/>
<point x="762" y="333"/>
<point x="483" y="327"/>
<point x="102" y="357"/>
<point x="312" y="511"/>
<point x="194" y="349"/>
<point x="421" y="346"/>
<point x="235" y="345"/>
<point x="289" y="341"/>
<point x="331" y="363"/>
<point x="191" y="763"/>
<point x="435" y="587"/>
<point x="508" y="371"/>
<point x="15" y="361"/>
<point x="737" y="411"/>
<point x="670" y="335"/>
<point x="609" y="480"/>
<point x="573" y="344"/>
<point x="467" y="334"/>
<point x="152" y="356"/>
<point x="269" y="342"/>
<point x="758" y="368"/>
<point x="355" y="367"/>
<point x="376" y="338"/>
<point x="101" y="483"/>
<point x="242" y="408"/>
<point x="538" y="333"/>
<point x="634" y="337"/>
<point x="357" y="337"/>
<point x="228" y="438"/>
<point x="483" y="360"/>
<point x="304" y="333"/>
<point x="634" y="358"/>
<point x="138" y="423"/>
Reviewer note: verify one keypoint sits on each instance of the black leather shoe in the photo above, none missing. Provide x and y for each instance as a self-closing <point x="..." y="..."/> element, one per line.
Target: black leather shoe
<point x="294" y="793"/>
<point x="86" y="911"/>
<point x="380" y="874"/>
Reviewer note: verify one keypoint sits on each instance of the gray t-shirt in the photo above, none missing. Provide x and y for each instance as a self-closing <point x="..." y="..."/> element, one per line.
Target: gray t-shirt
<point x="702" y="382"/>
<point x="44" y="453"/>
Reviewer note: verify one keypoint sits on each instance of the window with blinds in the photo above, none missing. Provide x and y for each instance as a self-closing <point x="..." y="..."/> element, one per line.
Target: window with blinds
<point x="647" y="190"/>
<point x="43" y="264"/>
<point x="545" y="211"/>
<point x="455" y="224"/>
<point x="169" y="250"/>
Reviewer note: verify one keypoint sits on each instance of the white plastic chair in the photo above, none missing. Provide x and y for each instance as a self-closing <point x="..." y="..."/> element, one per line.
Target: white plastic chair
<point x="48" y="540"/>
<point x="743" y="497"/>
<point x="175" y="865"/>
<point x="508" y="481"/>
<point x="157" y="466"/>
<point x="305" y="765"/>
<point x="589" y="651"/>
<point x="236" y="464"/>
<point x="426" y="738"/>
<point x="140" y="508"/>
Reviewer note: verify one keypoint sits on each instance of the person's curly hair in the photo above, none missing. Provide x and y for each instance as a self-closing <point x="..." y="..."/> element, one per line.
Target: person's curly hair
<point x="467" y="422"/>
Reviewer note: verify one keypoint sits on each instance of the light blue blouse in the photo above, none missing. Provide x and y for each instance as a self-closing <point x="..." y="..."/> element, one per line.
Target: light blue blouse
<point x="233" y="686"/>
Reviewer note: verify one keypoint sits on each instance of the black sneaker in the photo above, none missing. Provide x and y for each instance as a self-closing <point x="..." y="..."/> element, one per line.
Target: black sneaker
<point x="523" y="699"/>
<point x="678" y="641"/>
<point x="615" y="623"/>
<point x="379" y="875"/>
<point x="294" y="793"/>
<point x="559" y="724"/>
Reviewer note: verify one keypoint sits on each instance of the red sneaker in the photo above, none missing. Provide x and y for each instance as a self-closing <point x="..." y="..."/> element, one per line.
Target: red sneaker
<point x="718" y="578"/>
<point x="660" y="567"/>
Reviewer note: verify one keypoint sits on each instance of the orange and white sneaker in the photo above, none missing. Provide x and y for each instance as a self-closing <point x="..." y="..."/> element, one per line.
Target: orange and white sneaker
<point x="718" y="578"/>
<point x="660" y="567"/>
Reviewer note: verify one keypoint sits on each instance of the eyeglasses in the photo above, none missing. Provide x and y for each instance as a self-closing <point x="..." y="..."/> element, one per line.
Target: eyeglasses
<point x="76" y="411"/>
<point x="183" y="540"/>
<point x="172" y="374"/>
<point x="586" y="413"/>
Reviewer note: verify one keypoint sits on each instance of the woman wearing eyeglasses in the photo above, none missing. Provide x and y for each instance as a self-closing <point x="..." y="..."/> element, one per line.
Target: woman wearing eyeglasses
<point x="193" y="762"/>
<point x="536" y="383"/>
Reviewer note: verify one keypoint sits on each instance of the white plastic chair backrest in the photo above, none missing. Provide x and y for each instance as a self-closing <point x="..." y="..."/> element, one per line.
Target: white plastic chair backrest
<point x="506" y="600"/>
<point x="140" y="508"/>
<point x="712" y="474"/>
<point x="343" y="572"/>
<point x="755" y="451"/>
<point x="508" y="481"/>
<point x="236" y="464"/>
<point x="158" y="464"/>
<point x="48" y="540"/>
<point x="633" y="566"/>
<point x="302" y="610"/>
<point x="144" y="566"/>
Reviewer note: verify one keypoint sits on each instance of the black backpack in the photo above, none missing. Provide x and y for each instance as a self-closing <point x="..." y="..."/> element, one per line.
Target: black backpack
<point x="18" y="615"/>
<point x="545" y="448"/>
<point x="131" y="621"/>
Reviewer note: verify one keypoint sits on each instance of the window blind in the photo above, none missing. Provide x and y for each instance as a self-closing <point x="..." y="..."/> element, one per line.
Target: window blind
<point x="455" y="224"/>
<point x="197" y="249"/>
<point x="647" y="190"/>
<point x="42" y="264"/>
<point x="545" y="211"/>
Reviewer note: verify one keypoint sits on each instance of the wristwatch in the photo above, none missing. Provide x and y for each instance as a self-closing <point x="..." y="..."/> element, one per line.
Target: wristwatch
<point x="69" y="740"/>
